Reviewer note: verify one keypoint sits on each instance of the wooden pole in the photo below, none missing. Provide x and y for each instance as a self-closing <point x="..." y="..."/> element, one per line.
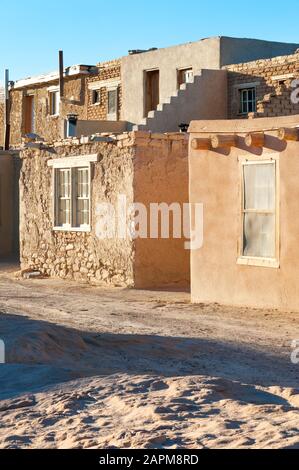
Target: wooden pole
<point x="201" y="144"/>
<point x="255" y="139"/>
<point x="61" y="75"/>
<point x="6" y="111"/>
<point x="288" y="134"/>
<point x="223" y="141"/>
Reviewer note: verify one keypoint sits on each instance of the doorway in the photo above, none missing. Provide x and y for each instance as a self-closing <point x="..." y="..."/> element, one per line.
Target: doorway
<point x="152" y="90"/>
<point x="29" y="126"/>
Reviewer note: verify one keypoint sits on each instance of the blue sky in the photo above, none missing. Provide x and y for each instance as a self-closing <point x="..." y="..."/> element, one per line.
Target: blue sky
<point x="93" y="30"/>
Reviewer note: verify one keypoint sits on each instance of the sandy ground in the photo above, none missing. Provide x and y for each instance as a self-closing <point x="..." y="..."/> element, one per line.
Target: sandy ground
<point x="92" y="368"/>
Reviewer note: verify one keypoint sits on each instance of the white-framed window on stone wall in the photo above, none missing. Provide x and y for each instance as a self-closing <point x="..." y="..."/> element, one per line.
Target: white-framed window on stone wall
<point x="101" y="88"/>
<point x="72" y="193"/>
<point x="247" y="100"/>
<point x="54" y="101"/>
<point x="259" y="240"/>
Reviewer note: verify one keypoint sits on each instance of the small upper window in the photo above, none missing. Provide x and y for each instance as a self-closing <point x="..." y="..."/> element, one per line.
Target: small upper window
<point x="54" y="103"/>
<point x="248" y="100"/>
<point x="96" y="96"/>
<point x="185" y="76"/>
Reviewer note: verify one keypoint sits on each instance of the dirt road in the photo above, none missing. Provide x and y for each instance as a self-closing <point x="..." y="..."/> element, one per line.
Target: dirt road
<point x="89" y="367"/>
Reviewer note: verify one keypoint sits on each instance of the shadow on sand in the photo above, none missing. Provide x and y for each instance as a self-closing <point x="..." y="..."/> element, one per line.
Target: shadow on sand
<point x="40" y="354"/>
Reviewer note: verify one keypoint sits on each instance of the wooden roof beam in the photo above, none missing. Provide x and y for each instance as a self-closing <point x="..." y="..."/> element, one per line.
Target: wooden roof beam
<point x="223" y="141"/>
<point x="255" y="139"/>
<point x="285" y="133"/>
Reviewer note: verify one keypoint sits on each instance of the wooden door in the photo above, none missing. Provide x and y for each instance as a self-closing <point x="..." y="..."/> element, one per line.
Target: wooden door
<point x="152" y="91"/>
<point x="29" y="115"/>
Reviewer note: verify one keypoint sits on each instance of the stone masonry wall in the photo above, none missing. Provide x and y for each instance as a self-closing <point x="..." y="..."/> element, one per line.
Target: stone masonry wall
<point x="273" y="78"/>
<point x="75" y="255"/>
<point x="107" y="70"/>
<point x="146" y="168"/>
<point x="47" y="126"/>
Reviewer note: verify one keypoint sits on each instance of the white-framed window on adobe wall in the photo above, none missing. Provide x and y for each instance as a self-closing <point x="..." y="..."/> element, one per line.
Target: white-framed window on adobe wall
<point x="71" y="187"/>
<point x="54" y="101"/>
<point x="185" y="75"/>
<point x="259" y="237"/>
<point x="245" y="98"/>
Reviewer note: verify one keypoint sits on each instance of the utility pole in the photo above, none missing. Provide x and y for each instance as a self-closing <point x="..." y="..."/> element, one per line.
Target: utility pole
<point x="6" y="111"/>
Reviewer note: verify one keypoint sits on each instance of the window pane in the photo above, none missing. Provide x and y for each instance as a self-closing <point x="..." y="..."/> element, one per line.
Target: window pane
<point x="63" y="197"/>
<point x="82" y="199"/>
<point x="248" y="100"/>
<point x="82" y="212"/>
<point x="64" y="183"/>
<point x="259" y="235"/>
<point x="64" y="212"/>
<point x="259" y="187"/>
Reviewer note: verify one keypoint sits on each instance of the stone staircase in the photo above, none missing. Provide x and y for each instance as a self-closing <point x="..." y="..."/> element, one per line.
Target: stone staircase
<point x="190" y="102"/>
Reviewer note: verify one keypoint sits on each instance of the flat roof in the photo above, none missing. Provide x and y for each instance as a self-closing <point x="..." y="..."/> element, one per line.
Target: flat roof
<point x="53" y="76"/>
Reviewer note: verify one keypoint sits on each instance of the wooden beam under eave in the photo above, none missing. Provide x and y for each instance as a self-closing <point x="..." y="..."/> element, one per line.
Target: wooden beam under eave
<point x="285" y="133"/>
<point x="255" y="139"/>
<point x="223" y="141"/>
<point x="201" y="144"/>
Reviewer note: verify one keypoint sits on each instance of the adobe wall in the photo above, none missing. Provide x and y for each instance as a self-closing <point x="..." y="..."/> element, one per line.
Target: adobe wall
<point x="201" y="54"/>
<point x="142" y="166"/>
<point x="46" y="126"/>
<point x="215" y="181"/>
<point x="210" y="53"/>
<point x="107" y="71"/>
<point x="273" y="79"/>
<point x="161" y="176"/>
<point x="70" y="255"/>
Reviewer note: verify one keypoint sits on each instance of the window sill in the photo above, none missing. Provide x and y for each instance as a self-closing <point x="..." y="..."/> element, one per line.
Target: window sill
<point x="258" y="262"/>
<point x="72" y="229"/>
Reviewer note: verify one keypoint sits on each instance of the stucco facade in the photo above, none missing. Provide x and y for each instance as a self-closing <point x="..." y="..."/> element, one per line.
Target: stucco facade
<point x="218" y="271"/>
<point x="211" y="53"/>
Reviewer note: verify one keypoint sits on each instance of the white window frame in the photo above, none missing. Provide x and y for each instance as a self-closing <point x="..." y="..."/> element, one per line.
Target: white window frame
<point x="184" y="70"/>
<point x="250" y="260"/>
<point x="53" y="93"/>
<point x="242" y="91"/>
<point x="71" y="163"/>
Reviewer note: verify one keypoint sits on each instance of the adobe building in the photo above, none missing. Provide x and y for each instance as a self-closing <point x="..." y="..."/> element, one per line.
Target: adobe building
<point x="36" y="107"/>
<point x="155" y="90"/>
<point x="245" y="173"/>
<point x="166" y="87"/>
<point x="63" y="187"/>
<point x="263" y="87"/>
